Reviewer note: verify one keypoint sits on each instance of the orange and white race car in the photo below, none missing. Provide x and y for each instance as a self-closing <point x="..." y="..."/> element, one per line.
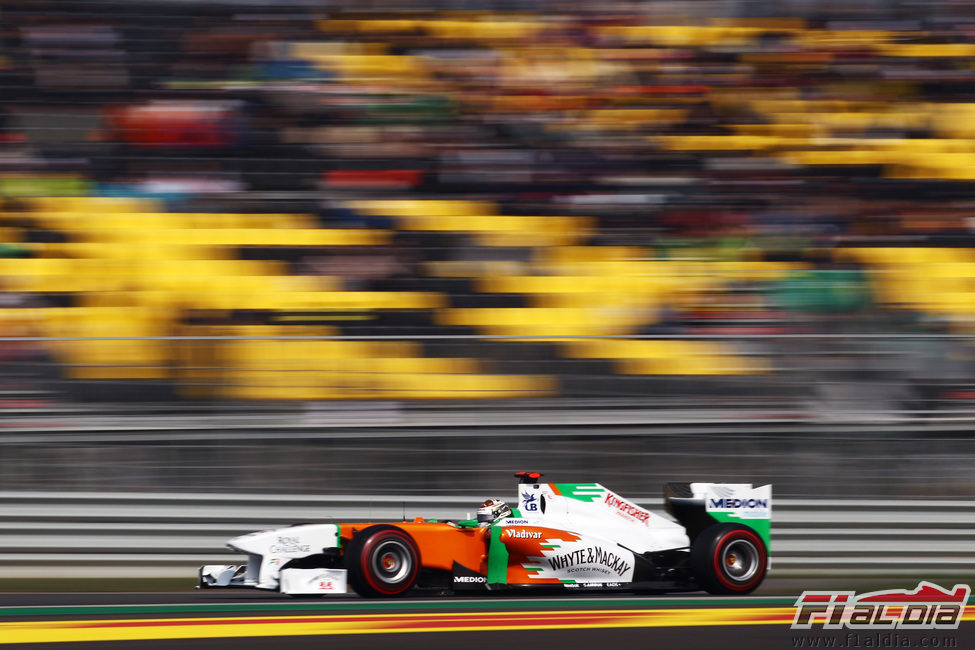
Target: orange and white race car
<point x="561" y="535"/>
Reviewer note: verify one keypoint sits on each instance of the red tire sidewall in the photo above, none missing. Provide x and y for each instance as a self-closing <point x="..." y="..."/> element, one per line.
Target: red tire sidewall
<point x="365" y="562"/>
<point x="718" y="565"/>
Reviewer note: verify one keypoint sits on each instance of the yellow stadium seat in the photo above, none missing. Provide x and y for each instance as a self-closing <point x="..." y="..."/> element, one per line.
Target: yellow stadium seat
<point x="324" y="369"/>
<point x="669" y="357"/>
<point x="420" y="208"/>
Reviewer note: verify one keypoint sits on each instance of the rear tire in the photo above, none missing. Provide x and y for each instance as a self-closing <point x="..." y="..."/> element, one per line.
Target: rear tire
<point x="382" y="561"/>
<point x="729" y="559"/>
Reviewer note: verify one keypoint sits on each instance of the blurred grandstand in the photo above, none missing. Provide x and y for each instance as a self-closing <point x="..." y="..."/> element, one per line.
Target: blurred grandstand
<point x="299" y="201"/>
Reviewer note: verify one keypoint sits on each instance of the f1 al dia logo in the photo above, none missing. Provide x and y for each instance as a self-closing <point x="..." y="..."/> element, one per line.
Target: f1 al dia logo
<point x="928" y="607"/>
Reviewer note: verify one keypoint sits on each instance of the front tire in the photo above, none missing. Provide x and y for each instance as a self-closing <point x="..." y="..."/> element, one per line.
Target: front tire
<point x="729" y="559"/>
<point x="382" y="561"/>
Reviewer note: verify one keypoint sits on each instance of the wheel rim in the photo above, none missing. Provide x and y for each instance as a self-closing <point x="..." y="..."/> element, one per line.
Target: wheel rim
<point x="392" y="561"/>
<point x="739" y="560"/>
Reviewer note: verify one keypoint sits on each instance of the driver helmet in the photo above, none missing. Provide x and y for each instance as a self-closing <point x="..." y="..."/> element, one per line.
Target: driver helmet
<point x="492" y="510"/>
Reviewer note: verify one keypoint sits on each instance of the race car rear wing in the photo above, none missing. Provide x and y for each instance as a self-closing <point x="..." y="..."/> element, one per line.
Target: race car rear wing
<point x="700" y="505"/>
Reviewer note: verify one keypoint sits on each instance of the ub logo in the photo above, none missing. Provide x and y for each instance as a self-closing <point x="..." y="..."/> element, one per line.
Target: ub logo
<point x="530" y="501"/>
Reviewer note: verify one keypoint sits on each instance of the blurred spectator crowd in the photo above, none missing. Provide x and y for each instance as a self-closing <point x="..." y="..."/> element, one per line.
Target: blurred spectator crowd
<point x="506" y="200"/>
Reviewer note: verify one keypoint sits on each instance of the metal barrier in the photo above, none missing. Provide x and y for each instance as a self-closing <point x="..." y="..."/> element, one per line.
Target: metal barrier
<point x="81" y="535"/>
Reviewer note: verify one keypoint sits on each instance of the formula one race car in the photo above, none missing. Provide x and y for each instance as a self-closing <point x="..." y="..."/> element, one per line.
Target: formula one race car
<point x="561" y="535"/>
